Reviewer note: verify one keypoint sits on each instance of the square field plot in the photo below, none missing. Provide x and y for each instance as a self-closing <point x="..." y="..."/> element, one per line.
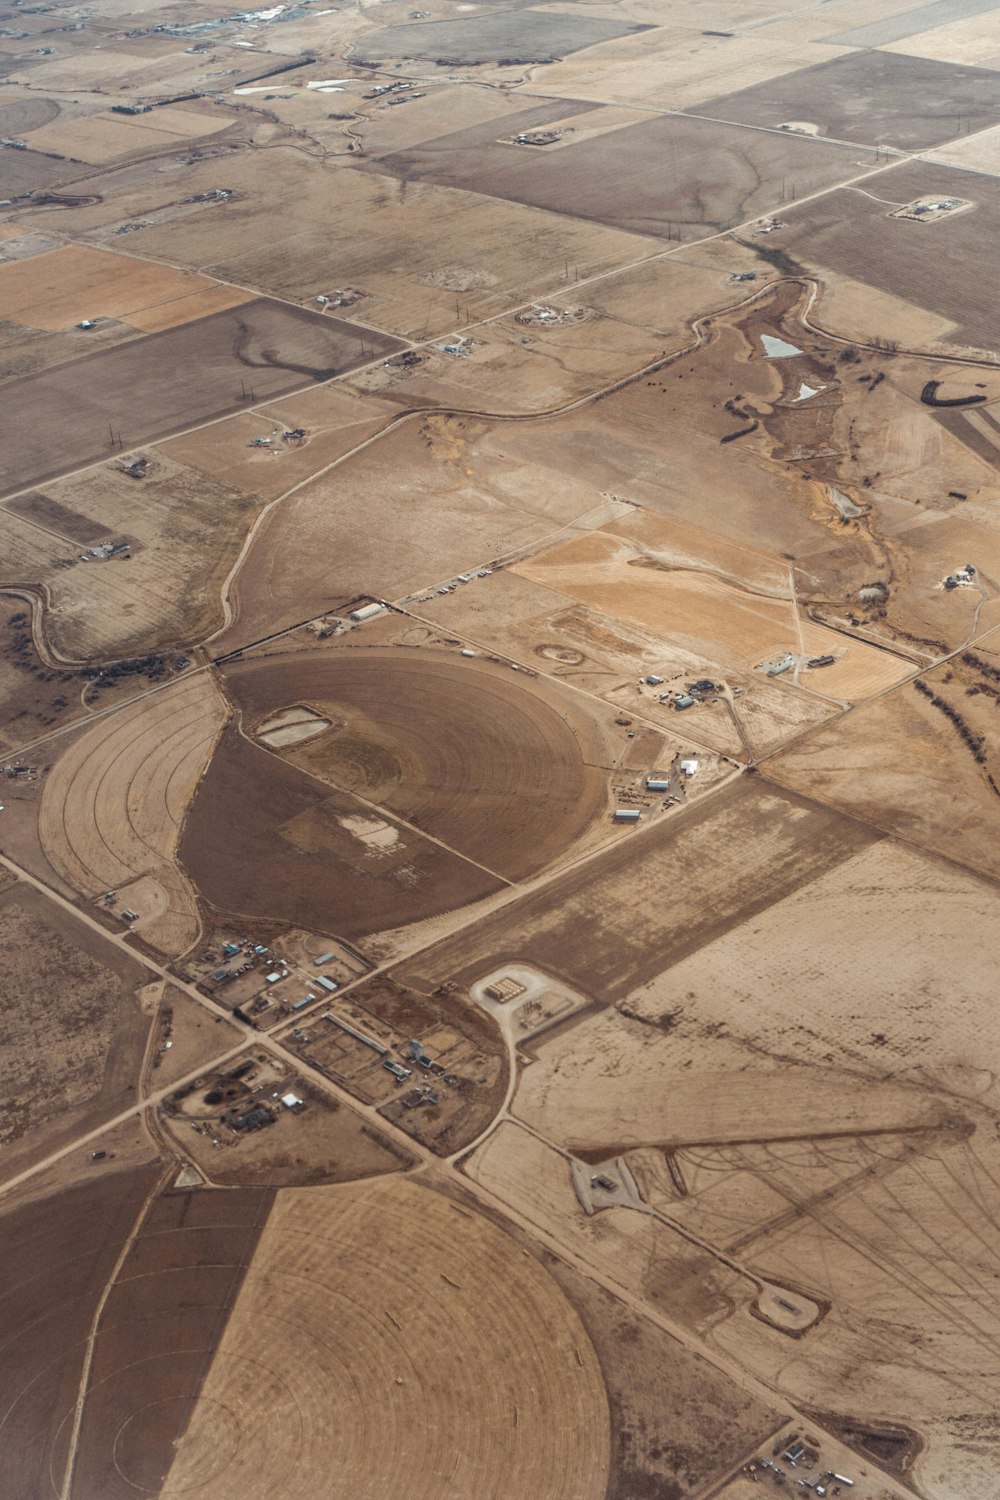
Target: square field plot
<point x="169" y="381"/>
<point x="666" y="174"/>
<point x="872" y="97"/>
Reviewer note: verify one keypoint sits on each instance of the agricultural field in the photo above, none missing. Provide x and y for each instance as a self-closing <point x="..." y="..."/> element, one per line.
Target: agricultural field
<point x="114" y="805"/>
<point x="265" y="840"/>
<point x="515" y="36"/>
<point x="680" y="884"/>
<point x="714" y="176"/>
<point x="869" y="96"/>
<point x="512" y="790"/>
<point x="478" y="1339"/>
<point x="500" y="614"/>
<point x="60" y="1252"/>
<point x="894" y="255"/>
<point x="151" y="387"/>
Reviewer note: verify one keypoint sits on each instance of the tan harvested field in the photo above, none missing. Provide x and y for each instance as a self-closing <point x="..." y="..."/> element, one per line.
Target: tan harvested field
<point x="335" y="419"/>
<point x="978" y="153"/>
<point x="104" y="138"/>
<point x="73" y="1031"/>
<point x="419" y="506"/>
<point x="427" y="257"/>
<point x="964" y="41"/>
<point x="677" y="66"/>
<point x="57" y="289"/>
<point x="476" y="1376"/>
<point x="165" y="592"/>
<point x="608" y="927"/>
<point x="604" y="1095"/>
<point x="831" y="974"/>
<point x="499" y="768"/>
<point x="114" y="804"/>
<point x="937" y="791"/>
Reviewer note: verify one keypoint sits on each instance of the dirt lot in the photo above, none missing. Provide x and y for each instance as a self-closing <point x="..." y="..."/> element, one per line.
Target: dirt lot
<point x="875" y="98"/>
<point x="162" y="1324"/>
<point x="324" y="1142"/>
<point x="73" y="1030"/>
<point x="171" y="380"/>
<point x="476" y="1374"/>
<point x="638" y="577"/>
<point x="499" y="769"/>
<point x="113" y="806"/>
<point x="708" y="176"/>
<point x="58" y="1253"/>
<point x="607" y="927"/>
<point x="265" y="840"/>
<point x="635" y="1251"/>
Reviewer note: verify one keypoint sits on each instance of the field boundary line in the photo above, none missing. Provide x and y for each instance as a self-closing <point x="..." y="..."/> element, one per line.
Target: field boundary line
<point x="66" y="1488"/>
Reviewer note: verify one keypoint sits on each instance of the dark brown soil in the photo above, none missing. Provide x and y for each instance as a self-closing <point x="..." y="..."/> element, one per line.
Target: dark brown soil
<point x="849" y="233"/>
<point x="668" y="174"/>
<point x="71" y="1028"/>
<point x="263" y="839"/>
<point x="22" y="172"/>
<point x="161" y="384"/>
<point x="877" y="98"/>
<point x="57" y="1255"/>
<point x="463" y="751"/>
<point x="517" y="36"/>
<point x="161" y="1325"/>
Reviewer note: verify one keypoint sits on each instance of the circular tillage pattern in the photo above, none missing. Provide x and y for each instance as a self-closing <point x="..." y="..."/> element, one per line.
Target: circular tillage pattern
<point x="386" y="1343"/>
<point x="482" y="758"/>
<point x="113" y="805"/>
